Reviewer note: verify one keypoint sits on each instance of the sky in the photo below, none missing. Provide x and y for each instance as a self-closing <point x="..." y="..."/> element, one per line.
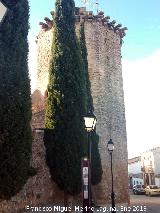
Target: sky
<point x="140" y="63"/>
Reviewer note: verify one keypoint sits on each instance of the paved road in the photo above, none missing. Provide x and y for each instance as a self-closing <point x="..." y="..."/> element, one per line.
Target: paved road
<point x="152" y="204"/>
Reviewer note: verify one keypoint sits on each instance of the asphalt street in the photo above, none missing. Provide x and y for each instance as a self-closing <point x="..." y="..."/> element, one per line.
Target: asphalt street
<point x="152" y="204"/>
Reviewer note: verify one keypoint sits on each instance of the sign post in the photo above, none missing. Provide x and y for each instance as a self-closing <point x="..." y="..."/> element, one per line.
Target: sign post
<point x="85" y="187"/>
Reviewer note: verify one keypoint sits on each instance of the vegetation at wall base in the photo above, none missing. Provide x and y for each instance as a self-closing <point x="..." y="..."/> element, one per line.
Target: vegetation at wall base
<point x="66" y="105"/>
<point x="15" y="107"/>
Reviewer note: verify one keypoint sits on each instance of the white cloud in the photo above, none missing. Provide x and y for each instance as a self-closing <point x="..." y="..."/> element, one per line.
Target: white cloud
<point x="142" y="91"/>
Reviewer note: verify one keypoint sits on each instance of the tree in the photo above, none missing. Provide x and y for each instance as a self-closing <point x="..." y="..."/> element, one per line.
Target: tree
<point x="96" y="166"/>
<point x="64" y="133"/>
<point x="15" y="107"/>
<point x="96" y="170"/>
<point x="83" y="48"/>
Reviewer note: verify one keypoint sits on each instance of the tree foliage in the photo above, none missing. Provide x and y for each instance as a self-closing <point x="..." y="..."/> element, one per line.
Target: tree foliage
<point x="15" y="107"/>
<point x="96" y="167"/>
<point x="66" y="105"/>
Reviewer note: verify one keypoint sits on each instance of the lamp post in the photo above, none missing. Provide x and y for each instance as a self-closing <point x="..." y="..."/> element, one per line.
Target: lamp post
<point x="90" y="122"/>
<point x="110" y="147"/>
<point x="3" y="11"/>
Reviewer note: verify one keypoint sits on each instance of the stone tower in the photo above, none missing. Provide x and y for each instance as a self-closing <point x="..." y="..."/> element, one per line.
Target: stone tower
<point x="103" y="39"/>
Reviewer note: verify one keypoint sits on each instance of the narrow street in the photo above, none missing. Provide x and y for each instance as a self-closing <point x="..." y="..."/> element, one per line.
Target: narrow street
<point x="152" y="203"/>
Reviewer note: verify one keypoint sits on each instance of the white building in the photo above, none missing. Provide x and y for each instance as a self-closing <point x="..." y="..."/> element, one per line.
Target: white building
<point x="145" y="169"/>
<point x="135" y="172"/>
<point x="150" y="161"/>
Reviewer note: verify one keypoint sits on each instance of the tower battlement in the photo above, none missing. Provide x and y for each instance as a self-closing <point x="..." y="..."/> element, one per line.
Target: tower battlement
<point x="82" y="15"/>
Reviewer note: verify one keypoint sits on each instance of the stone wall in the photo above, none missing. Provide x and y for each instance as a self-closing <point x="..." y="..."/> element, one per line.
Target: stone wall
<point x="103" y="40"/>
<point x="44" y="42"/>
<point x="104" y="61"/>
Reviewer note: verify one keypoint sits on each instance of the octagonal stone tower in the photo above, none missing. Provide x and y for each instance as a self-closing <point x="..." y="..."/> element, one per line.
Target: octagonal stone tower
<point x="103" y="41"/>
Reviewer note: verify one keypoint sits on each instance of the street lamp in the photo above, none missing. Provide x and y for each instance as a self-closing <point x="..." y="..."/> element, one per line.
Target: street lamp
<point x="90" y="122"/>
<point x="3" y="11"/>
<point x="110" y="147"/>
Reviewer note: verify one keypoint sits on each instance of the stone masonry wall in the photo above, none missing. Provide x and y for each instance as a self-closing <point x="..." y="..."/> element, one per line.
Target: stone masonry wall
<point x="104" y="61"/>
<point x="44" y="55"/>
<point x="105" y="72"/>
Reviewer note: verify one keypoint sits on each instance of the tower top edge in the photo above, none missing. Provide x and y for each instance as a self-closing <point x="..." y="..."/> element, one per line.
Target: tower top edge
<point x="82" y="15"/>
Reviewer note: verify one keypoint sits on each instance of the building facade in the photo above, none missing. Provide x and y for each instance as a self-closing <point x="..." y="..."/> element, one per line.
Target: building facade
<point x="135" y="175"/>
<point x="145" y="169"/>
<point x="150" y="166"/>
<point x="103" y="40"/>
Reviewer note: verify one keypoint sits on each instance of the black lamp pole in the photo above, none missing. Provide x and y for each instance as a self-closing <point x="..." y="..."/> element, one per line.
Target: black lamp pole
<point x="87" y="186"/>
<point x="112" y="193"/>
<point x="90" y="122"/>
<point x="89" y="172"/>
<point x="110" y="149"/>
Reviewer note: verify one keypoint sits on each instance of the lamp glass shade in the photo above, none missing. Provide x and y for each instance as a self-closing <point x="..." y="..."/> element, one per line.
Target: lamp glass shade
<point x="3" y="11"/>
<point x="110" y="145"/>
<point x="89" y="121"/>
